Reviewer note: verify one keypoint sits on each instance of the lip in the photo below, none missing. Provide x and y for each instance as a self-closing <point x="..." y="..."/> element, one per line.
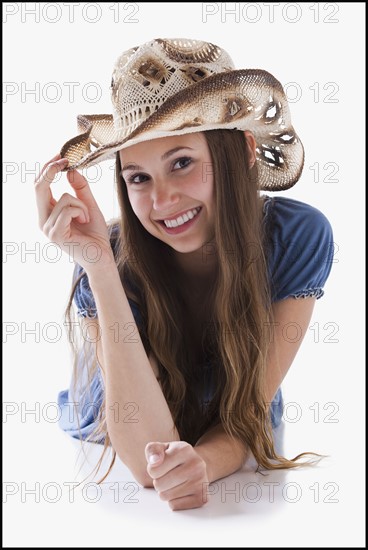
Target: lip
<point x="180" y="228"/>
<point x="178" y="214"/>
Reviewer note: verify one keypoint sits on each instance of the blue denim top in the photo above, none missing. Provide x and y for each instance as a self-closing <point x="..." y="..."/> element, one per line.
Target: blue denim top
<point x="299" y="254"/>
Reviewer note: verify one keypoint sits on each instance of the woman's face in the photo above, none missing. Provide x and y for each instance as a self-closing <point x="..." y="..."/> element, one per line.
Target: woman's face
<point x="170" y="187"/>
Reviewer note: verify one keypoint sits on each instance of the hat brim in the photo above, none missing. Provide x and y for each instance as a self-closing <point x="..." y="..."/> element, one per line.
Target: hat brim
<point x="241" y="99"/>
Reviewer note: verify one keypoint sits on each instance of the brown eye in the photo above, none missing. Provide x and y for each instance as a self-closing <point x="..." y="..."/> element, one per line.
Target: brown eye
<point x="137" y="178"/>
<point x="183" y="162"/>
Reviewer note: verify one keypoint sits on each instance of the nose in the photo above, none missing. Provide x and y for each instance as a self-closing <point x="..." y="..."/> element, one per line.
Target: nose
<point x="164" y="196"/>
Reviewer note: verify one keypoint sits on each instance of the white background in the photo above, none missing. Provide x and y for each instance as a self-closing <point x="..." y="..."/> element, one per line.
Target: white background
<point x="303" y="48"/>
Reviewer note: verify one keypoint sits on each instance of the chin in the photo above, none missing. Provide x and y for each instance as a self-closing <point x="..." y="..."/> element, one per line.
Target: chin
<point x="186" y="248"/>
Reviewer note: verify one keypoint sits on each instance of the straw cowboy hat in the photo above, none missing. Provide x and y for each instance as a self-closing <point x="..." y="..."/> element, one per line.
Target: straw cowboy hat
<point x="170" y="87"/>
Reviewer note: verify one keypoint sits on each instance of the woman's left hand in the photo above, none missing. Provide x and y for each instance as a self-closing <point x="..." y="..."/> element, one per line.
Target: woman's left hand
<point x="179" y="474"/>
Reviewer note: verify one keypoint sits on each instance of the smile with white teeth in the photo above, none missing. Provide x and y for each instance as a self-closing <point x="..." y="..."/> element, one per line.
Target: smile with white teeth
<point x="182" y="219"/>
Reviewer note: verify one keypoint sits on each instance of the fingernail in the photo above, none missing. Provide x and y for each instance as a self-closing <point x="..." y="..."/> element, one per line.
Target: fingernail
<point x="154" y="458"/>
<point x="62" y="161"/>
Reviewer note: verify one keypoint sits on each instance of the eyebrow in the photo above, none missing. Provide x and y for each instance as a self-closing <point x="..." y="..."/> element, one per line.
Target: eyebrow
<point x="165" y="156"/>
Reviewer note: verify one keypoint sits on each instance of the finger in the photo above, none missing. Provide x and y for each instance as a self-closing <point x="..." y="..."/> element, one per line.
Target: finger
<point x="44" y="199"/>
<point x="187" y="502"/>
<point x="81" y="187"/>
<point x="155" y="453"/>
<point x="49" y="170"/>
<point x="66" y="201"/>
<point x="172" y="480"/>
<point x="60" y="231"/>
<point x="56" y="157"/>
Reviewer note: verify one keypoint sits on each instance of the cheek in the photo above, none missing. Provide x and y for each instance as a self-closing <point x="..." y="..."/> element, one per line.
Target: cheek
<point x="140" y="207"/>
<point x="204" y="186"/>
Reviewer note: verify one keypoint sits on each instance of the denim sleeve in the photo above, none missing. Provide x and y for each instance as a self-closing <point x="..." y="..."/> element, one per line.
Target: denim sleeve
<point x="85" y="302"/>
<point x="83" y="297"/>
<point x="79" y="407"/>
<point x="300" y="248"/>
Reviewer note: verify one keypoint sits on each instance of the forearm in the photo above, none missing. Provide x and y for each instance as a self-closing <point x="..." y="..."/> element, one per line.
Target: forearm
<point x="222" y="454"/>
<point x="136" y="410"/>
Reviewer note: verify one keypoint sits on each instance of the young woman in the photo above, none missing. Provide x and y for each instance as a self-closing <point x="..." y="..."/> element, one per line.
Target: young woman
<point x="184" y="302"/>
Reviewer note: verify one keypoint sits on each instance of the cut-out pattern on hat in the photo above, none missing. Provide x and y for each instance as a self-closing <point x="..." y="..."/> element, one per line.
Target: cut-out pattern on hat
<point x="190" y="51"/>
<point x="153" y="72"/>
<point x="272" y="112"/>
<point x="195" y="74"/>
<point x="235" y="107"/>
<point x="190" y="124"/>
<point x="270" y="155"/>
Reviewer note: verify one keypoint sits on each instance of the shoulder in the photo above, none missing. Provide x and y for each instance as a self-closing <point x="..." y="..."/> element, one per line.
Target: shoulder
<point x="288" y="219"/>
<point x="299" y="247"/>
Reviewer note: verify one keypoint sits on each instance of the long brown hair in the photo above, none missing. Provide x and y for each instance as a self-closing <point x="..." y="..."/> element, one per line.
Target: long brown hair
<point x="236" y="336"/>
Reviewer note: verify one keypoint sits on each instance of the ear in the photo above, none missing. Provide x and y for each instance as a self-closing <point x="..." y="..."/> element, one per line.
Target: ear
<point x="251" y="147"/>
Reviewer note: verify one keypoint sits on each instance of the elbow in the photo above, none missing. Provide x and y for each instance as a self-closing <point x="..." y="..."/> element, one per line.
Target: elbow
<point x="143" y="479"/>
<point x="139" y="473"/>
<point x="146" y="481"/>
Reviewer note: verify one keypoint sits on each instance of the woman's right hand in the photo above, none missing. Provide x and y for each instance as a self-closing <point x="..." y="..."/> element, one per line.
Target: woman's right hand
<point x="75" y="223"/>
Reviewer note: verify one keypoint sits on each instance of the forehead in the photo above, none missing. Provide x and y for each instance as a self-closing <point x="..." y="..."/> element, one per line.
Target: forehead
<point x="195" y="140"/>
